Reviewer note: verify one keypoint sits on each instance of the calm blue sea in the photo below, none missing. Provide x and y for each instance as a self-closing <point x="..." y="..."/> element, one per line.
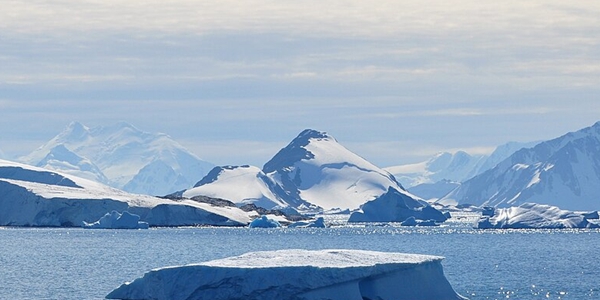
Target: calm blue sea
<point x="88" y="264"/>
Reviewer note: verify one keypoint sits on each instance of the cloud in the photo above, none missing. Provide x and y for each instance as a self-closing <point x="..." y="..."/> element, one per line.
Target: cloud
<point x="442" y="75"/>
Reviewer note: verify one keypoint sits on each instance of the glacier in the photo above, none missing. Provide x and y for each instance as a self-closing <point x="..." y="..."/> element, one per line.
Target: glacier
<point x="32" y="196"/>
<point x="533" y="215"/>
<point x="298" y="275"/>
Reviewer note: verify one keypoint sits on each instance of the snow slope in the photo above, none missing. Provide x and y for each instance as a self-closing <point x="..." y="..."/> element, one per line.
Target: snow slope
<point x="298" y="275"/>
<point x="130" y="159"/>
<point x="563" y="172"/>
<point x="315" y="169"/>
<point x="62" y="159"/>
<point x="32" y="196"/>
<point x="239" y="184"/>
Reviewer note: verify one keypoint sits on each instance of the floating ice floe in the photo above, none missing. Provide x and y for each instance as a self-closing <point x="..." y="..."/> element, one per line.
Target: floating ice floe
<point x="116" y="220"/>
<point x="318" y="223"/>
<point x="533" y="215"/>
<point x="298" y="275"/>
<point x="414" y="222"/>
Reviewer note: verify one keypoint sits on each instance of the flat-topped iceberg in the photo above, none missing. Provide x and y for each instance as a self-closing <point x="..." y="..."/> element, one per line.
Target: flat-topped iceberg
<point x="298" y="275"/>
<point x="533" y="215"/>
<point x="116" y="220"/>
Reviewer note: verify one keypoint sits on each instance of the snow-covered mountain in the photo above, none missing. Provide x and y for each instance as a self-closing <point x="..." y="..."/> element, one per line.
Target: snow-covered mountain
<point x="32" y="196"/>
<point x="123" y="157"/>
<point x="314" y="169"/>
<point x="563" y="172"/>
<point x="239" y="184"/>
<point x="312" y="172"/>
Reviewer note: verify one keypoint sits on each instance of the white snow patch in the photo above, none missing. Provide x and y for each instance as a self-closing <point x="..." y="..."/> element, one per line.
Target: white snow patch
<point x="241" y="185"/>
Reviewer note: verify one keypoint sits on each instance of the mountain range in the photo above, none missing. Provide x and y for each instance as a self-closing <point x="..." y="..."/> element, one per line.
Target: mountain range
<point x="442" y="173"/>
<point x="121" y="156"/>
<point x="455" y="167"/>
<point x="563" y="172"/>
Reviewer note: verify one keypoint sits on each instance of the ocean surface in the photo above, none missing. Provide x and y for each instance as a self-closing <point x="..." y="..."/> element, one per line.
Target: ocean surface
<point x="46" y="263"/>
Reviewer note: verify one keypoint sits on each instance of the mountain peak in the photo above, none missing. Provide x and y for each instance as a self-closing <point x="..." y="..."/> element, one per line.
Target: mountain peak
<point x="296" y="150"/>
<point x="75" y="131"/>
<point x="308" y="134"/>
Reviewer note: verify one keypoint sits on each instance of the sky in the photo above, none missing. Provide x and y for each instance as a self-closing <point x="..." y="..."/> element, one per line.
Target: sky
<point x="235" y="81"/>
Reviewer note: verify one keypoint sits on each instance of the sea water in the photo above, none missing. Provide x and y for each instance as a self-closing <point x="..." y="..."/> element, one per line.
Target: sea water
<point x="70" y="263"/>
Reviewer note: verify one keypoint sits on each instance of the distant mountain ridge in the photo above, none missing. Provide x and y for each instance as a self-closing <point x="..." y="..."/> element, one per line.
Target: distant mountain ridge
<point x="437" y="176"/>
<point x="457" y="167"/>
<point x="121" y="156"/>
<point x="312" y="172"/>
<point x="563" y="172"/>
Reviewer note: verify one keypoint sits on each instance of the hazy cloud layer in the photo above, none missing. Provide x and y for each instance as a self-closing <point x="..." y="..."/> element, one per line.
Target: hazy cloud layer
<point x="400" y="75"/>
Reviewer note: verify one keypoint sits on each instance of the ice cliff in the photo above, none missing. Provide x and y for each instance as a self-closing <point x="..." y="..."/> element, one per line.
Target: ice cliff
<point x="298" y="275"/>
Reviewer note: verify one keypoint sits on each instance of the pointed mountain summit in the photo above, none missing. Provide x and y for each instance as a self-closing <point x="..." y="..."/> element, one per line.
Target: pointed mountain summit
<point x="314" y="169"/>
<point x="131" y="159"/>
<point x="563" y="172"/>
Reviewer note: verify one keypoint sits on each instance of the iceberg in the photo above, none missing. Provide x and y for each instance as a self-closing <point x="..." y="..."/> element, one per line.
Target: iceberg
<point x="396" y="206"/>
<point x="298" y="275"/>
<point x="264" y="222"/>
<point x="116" y="220"/>
<point x="414" y="222"/>
<point x="533" y="215"/>
<point x="318" y="223"/>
